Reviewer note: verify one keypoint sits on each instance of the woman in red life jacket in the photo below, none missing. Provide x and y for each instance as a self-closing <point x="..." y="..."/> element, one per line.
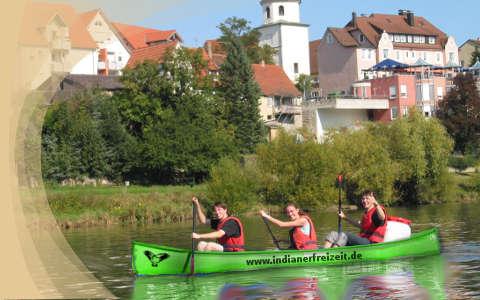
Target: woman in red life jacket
<point x="302" y="232"/>
<point x="228" y="230"/>
<point x="372" y="227"/>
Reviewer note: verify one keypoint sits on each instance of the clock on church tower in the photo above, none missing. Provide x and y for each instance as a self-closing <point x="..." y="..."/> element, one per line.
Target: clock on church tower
<point x="283" y="31"/>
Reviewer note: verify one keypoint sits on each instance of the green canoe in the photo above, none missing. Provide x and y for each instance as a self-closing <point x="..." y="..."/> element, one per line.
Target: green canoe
<point x="150" y="259"/>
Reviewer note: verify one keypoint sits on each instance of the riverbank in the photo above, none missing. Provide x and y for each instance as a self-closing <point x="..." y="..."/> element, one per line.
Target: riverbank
<point x="89" y="206"/>
<point x="79" y="206"/>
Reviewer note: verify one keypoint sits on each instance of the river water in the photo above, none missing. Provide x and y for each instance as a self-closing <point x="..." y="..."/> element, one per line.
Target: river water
<point x="455" y="274"/>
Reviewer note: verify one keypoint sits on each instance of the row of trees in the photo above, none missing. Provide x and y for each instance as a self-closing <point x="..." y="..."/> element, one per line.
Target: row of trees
<point x="404" y="162"/>
<point x="169" y="123"/>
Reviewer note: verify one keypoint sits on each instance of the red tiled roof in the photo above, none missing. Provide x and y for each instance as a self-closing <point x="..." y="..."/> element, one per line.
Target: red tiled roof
<point x="343" y="37"/>
<point x="156" y="36"/>
<point x="88" y="16"/>
<point x="313" y="56"/>
<point x="38" y="15"/>
<point x="374" y="25"/>
<point x="273" y="81"/>
<point x="155" y="53"/>
<point x="215" y="45"/>
<point x="139" y="37"/>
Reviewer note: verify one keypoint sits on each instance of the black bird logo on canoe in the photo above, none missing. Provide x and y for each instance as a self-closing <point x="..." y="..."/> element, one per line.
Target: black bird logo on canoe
<point x="156" y="258"/>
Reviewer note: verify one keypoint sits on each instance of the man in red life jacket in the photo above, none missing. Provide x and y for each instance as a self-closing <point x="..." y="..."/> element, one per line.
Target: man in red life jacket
<point x="302" y="232"/>
<point x="228" y="230"/>
<point x="372" y="227"/>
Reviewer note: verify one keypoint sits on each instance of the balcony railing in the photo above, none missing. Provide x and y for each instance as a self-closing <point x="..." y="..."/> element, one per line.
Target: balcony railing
<point x="112" y="65"/>
<point x="288" y="109"/>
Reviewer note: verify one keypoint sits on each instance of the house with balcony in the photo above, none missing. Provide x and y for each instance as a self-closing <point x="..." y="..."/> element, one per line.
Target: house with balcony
<point x="281" y="102"/>
<point x="53" y="40"/>
<point x="112" y="51"/>
<point x="345" y="53"/>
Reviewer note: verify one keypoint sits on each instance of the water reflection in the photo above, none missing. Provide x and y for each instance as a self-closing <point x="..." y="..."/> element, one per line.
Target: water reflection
<point x="421" y="278"/>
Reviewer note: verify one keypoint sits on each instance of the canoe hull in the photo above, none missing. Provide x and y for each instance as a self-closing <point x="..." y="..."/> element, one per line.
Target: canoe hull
<point x="150" y="259"/>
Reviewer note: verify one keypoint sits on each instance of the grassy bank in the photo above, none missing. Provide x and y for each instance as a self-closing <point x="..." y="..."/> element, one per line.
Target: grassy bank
<point x="88" y="205"/>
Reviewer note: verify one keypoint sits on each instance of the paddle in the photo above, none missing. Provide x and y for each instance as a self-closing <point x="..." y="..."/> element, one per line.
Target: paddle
<point x="275" y="241"/>
<point x="339" y="183"/>
<point x="194" y="223"/>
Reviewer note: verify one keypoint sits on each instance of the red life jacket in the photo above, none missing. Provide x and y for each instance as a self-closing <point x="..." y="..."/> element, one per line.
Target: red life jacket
<point x="374" y="234"/>
<point x="232" y="244"/>
<point x="300" y="240"/>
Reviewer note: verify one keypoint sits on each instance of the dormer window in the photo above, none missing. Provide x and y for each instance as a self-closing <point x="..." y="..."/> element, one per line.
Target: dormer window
<point x="281" y="11"/>
<point x="268" y="12"/>
<point x="329" y="38"/>
<point x="362" y="38"/>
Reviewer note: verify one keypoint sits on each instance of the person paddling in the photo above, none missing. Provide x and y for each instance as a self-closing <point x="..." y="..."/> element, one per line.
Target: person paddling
<point x="372" y="226"/>
<point x="302" y="232"/>
<point x="228" y="230"/>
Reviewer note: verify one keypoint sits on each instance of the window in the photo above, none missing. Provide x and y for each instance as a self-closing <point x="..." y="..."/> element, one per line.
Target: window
<point x="119" y="58"/>
<point x="281" y="10"/>
<point x="364" y="53"/>
<point x="295" y="68"/>
<point x="405" y="111"/>
<point x="394" y="112"/>
<point x="413" y="54"/>
<point x="416" y="39"/>
<point x="393" y="92"/>
<point x="362" y="38"/>
<point x="385" y="53"/>
<point x="425" y="56"/>
<point x="390" y="36"/>
<point x="438" y="57"/>
<point x="329" y="38"/>
<point x="403" y="39"/>
<point x="396" y="39"/>
<point x="403" y="91"/>
<point x="439" y="92"/>
<point x="267" y="10"/>
<point x="406" y="54"/>
<point x="364" y="92"/>
<point x="431" y="40"/>
<point x="451" y="56"/>
<point x="409" y="39"/>
<point x="98" y="23"/>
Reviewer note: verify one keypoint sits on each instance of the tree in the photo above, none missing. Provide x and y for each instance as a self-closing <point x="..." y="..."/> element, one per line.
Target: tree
<point x="459" y="112"/>
<point x="178" y="120"/>
<point x="240" y="28"/>
<point x="475" y="56"/>
<point x="241" y="94"/>
<point x="304" y="83"/>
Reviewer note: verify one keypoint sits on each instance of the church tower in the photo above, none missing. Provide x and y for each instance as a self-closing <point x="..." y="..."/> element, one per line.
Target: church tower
<point x="283" y="31"/>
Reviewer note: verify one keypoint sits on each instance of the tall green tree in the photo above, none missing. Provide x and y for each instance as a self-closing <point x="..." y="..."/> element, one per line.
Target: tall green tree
<point x="177" y="117"/>
<point x="459" y="112"/>
<point x="241" y="94"/>
<point x="475" y="56"/>
<point x="240" y="28"/>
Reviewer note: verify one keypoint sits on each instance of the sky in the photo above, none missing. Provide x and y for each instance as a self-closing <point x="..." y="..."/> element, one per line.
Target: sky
<point x="197" y="20"/>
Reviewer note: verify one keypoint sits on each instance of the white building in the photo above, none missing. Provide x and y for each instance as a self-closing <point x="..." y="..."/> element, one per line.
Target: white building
<point x="112" y="53"/>
<point x="283" y="31"/>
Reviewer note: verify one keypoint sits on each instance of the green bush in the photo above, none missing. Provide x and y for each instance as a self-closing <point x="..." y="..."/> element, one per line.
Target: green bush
<point x="234" y="184"/>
